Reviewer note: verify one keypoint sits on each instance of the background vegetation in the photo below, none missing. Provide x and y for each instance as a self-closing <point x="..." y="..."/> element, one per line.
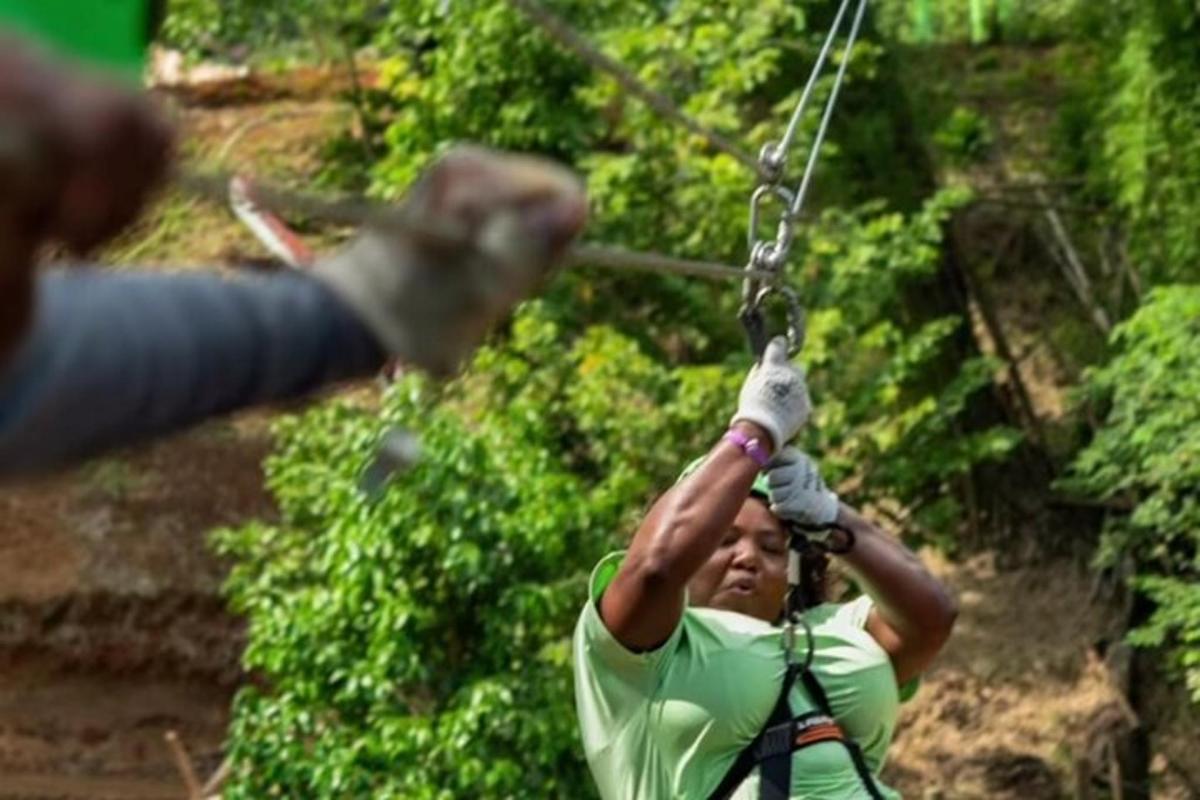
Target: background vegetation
<point x="430" y="628"/>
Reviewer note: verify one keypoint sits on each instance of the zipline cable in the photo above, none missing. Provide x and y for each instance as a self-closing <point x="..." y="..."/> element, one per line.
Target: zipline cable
<point x="789" y="136"/>
<point x="815" y="151"/>
<point x="357" y="211"/>
<point x="592" y="255"/>
<point x="771" y="254"/>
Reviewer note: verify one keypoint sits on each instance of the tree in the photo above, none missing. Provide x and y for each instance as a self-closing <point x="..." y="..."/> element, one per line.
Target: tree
<point x="417" y="646"/>
<point x="1148" y="453"/>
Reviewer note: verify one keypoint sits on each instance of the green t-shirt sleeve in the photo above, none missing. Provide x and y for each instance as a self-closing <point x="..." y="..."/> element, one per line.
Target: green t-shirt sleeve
<point x="612" y="683"/>
<point x="855" y="613"/>
<point x="607" y="657"/>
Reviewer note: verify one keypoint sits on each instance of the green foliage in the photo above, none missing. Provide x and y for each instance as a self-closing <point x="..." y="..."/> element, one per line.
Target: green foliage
<point x="1148" y="452"/>
<point x="417" y="647"/>
<point x="976" y="21"/>
<point x="1132" y="127"/>
<point x="965" y="136"/>
<point x="189" y="22"/>
<point x="251" y="29"/>
<point x="880" y="425"/>
<point x="480" y="72"/>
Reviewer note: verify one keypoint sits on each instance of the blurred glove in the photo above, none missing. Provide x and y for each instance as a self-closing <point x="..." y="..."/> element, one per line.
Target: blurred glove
<point x="797" y="492"/>
<point x="429" y="297"/>
<point x="775" y="395"/>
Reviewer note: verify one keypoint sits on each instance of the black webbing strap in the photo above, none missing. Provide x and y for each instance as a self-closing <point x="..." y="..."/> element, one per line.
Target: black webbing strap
<point x="772" y="748"/>
<point x="817" y="692"/>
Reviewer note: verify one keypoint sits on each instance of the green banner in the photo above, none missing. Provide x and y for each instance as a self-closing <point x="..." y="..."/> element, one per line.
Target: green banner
<point x="980" y="21"/>
<point x="923" y="21"/>
<point x="108" y="33"/>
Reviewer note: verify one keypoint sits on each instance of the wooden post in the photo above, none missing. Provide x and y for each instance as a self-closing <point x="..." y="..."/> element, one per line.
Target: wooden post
<point x="978" y="291"/>
<point x="183" y="762"/>
<point x="184" y="765"/>
<point x="1068" y="259"/>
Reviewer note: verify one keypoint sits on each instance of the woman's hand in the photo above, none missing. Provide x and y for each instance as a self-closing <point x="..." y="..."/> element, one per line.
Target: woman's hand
<point x="914" y="613"/>
<point x="798" y="494"/>
<point x="775" y="395"/>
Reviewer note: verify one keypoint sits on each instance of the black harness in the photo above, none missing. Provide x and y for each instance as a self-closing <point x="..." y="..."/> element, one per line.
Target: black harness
<point x="784" y="734"/>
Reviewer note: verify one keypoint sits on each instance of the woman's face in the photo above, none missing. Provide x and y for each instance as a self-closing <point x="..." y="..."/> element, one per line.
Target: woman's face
<point x="748" y="571"/>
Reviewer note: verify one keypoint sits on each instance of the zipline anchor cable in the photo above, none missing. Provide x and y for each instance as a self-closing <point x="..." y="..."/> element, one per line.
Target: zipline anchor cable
<point x="819" y="139"/>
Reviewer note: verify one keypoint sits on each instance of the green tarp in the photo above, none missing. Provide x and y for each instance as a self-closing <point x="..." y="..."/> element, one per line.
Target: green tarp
<point x="109" y="33"/>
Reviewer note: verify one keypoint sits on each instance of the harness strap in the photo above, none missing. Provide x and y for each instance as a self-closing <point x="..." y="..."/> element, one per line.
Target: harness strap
<point x="772" y="747"/>
<point x="782" y="735"/>
<point x="817" y="692"/>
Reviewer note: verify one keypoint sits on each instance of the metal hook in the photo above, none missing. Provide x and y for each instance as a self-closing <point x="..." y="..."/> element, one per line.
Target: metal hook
<point x="756" y="201"/>
<point x="754" y="321"/>
<point x="765" y="254"/>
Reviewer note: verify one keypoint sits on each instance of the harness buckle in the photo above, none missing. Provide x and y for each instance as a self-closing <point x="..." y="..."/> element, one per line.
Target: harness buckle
<point x="776" y="740"/>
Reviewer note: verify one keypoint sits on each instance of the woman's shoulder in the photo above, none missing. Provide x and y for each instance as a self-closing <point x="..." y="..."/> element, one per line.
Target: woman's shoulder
<point x="840" y="631"/>
<point x="849" y="614"/>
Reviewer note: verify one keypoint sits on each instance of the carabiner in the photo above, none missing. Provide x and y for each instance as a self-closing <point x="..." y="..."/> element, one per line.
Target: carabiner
<point x="756" y="201"/>
<point x="754" y="321"/>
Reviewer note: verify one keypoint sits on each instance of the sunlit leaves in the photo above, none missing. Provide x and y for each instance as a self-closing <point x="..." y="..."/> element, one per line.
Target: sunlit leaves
<point x="1148" y="453"/>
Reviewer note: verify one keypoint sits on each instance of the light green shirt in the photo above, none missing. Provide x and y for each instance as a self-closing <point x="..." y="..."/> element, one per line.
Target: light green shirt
<point x="668" y="724"/>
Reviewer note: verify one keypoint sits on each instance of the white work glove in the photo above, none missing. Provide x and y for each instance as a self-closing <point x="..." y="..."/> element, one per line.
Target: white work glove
<point x="431" y="298"/>
<point x="775" y="395"/>
<point x="797" y="492"/>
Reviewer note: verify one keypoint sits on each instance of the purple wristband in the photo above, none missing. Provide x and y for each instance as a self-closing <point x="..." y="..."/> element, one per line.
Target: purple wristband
<point x="749" y="446"/>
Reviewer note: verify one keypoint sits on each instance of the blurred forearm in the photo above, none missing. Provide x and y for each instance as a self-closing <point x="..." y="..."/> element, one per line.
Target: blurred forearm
<point x="113" y="359"/>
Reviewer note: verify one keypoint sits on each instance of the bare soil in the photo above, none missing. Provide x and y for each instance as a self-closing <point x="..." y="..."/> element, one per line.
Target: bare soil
<point x="112" y="631"/>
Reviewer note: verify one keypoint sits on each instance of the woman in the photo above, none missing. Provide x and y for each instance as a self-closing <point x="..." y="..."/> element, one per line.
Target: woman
<point x="679" y="656"/>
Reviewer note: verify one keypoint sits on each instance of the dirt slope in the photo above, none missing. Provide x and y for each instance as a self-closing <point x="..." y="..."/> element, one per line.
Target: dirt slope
<point x="112" y="631"/>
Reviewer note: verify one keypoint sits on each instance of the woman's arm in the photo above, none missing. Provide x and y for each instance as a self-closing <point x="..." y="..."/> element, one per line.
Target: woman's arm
<point x="914" y="612"/>
<point x="644" y="603"/>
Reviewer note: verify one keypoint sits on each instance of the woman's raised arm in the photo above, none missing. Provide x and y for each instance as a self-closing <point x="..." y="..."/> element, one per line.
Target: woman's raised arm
<point x="913" y="612"/>
<point x="644" y="603"/>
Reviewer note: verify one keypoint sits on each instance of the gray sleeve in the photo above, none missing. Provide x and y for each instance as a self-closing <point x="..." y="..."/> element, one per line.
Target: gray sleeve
<point x="116" y="358"/>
